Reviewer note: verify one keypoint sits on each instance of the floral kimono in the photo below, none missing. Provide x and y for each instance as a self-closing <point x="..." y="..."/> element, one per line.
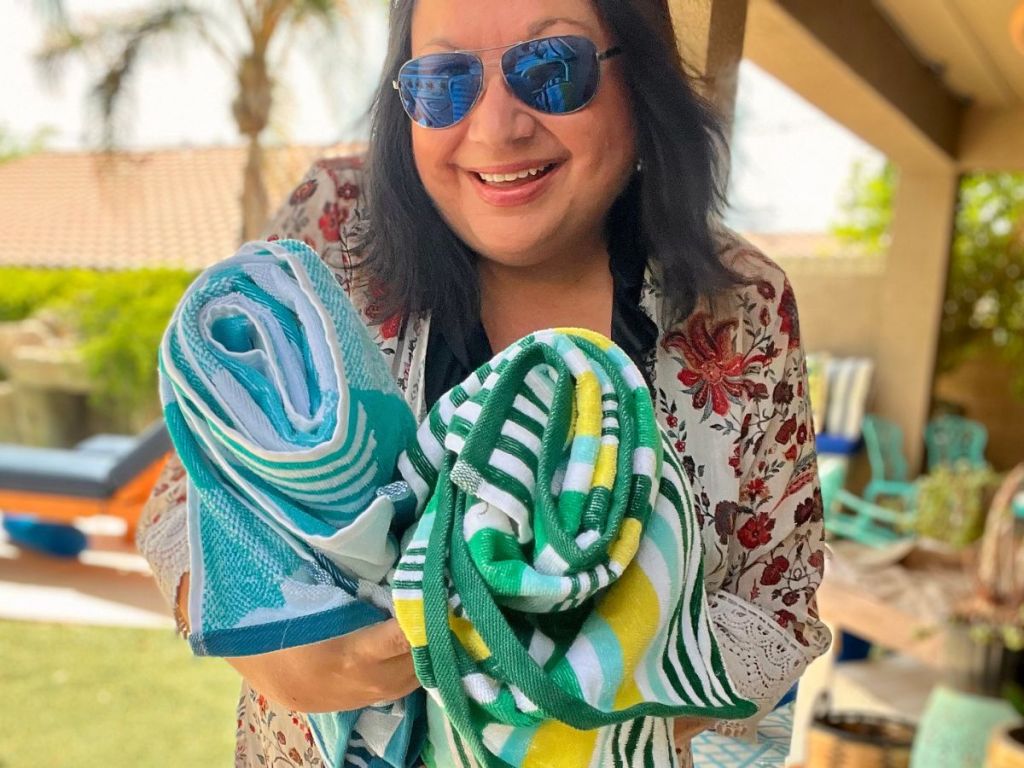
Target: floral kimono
<point x="730" y="389"/>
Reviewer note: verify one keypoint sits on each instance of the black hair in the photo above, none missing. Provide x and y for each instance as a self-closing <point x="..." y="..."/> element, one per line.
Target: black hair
<point x="673" y="204"/>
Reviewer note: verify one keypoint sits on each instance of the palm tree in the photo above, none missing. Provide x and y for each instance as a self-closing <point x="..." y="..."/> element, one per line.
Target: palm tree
<point x="122" y="42"/>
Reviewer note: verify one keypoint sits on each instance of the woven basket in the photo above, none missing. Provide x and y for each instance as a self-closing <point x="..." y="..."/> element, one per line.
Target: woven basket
<point x="1005" y="749"/>
<point x="858" y="741"/>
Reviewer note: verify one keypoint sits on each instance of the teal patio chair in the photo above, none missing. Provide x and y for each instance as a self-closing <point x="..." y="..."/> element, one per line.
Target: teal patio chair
<point x="889" y="474"/>
<point x="955" y="441"/>
<point x="850" y="516"/>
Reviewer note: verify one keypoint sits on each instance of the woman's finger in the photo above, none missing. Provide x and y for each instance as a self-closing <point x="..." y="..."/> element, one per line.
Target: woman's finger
<point x="380" y="641"/>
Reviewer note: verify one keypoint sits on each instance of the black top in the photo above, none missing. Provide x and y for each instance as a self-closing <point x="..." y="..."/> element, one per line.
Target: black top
<point x="449" y="362"/>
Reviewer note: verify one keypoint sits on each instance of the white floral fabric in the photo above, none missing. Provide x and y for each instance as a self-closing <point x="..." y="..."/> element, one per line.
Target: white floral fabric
<point x="730" y="391"/>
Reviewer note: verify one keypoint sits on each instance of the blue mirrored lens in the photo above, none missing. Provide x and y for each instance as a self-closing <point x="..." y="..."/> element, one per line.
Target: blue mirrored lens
<point x="556" y="75"/>
<point x="438" y="90"/>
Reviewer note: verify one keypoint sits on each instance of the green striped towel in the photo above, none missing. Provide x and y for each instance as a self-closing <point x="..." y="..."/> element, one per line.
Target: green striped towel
<point x="552" y="590"/>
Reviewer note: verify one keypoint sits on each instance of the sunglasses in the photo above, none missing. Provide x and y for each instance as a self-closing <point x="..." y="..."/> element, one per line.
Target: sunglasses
<point x="554" y="75"/>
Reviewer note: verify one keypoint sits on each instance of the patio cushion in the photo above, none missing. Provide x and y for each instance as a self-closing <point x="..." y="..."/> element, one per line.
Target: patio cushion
<point x="849" y="382"/>
<point x="76" y="472"/>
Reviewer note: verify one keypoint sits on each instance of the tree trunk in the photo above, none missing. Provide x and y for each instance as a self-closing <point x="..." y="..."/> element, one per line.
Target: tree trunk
<point x="255" y="205"/>
<point x="252" y="113"/>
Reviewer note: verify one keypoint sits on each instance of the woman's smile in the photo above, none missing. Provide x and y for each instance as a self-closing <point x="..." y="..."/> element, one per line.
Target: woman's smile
<point x="513" y="185"/>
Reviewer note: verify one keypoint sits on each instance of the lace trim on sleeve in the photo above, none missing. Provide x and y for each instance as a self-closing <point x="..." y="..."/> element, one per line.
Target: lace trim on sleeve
<point x="162" y="535"/>
<point x="763" y="660"/>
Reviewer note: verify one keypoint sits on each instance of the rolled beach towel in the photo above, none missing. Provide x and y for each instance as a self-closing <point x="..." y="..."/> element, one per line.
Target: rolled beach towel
<point x="289" y="424"/>
<point x="552" y="590"/>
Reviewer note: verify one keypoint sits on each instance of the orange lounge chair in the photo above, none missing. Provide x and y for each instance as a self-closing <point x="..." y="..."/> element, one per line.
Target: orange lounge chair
<point x="103" y="475"/>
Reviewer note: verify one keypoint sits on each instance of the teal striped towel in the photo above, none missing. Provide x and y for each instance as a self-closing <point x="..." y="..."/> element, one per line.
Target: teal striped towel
<point x="553" y="588"/>
<point x="289" y="424"/>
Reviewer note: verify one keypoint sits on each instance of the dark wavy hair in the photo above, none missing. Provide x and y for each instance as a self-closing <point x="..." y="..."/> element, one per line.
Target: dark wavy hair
<point x="671" y="209"/>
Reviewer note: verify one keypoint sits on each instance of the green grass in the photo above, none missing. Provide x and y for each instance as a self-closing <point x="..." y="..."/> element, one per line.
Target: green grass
<point x="96" y="696"/>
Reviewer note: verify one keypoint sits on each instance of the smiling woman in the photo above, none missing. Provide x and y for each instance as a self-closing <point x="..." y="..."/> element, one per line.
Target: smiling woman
<point x="540" y="164"/>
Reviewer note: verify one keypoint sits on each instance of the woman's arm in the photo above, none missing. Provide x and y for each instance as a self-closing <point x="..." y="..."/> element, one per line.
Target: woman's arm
<point x="349" y="672"/>
<point x="353" y="671"/>
<point x="765" y="614"/>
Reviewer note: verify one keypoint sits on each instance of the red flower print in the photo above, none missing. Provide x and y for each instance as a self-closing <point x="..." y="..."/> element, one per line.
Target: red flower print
<point x="713" y="370"/>
<point x="734" y="459"/>
<point x="784" y="617"/>
<point x="348" y="191"/>
<point x="390" y="327"/>
<point x="774" y="571"/>
<point x="790" y="453"/>
<point x="791" y="598"/>
<point x="787" y="311"/>
<point x="783" y="393"/>
<point x="725" y="519"/>
<point x="756" y="532"/>
<point x="786" y="430"/>
<point x="330" y="223"/>
<point x="766" y="316"/>
<point x="808" y="510"/>
<point x="680" y="446"/>
<point x="766" y="289"/>
<point x="817" y="561"/>
<point x="303" y="192"/>
<point x="755" y="488"/>
<point x="801" y="434"/>
<point x="672" y="422"/>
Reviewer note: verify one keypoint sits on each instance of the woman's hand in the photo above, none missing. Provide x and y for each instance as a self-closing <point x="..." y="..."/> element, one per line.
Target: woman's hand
<point x="686" y="728"/>
<point x="356" y="670"/>
<point x="364" y="667"/>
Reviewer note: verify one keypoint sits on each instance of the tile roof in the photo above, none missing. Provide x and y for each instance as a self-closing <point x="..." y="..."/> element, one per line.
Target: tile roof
<point x="177" y="207"/>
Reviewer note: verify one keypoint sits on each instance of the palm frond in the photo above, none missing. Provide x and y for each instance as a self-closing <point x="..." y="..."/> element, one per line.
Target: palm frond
<point x="53" y="12"/>
<point x="324" y="11"/>
<point x="119" y="42"/>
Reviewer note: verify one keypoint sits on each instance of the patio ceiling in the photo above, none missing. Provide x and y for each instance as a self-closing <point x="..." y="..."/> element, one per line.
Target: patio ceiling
<point x="932" y="83"/>
<point x="969" y="44"/>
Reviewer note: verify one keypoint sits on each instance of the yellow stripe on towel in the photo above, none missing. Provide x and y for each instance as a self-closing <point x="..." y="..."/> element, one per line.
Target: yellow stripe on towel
<point x="605" y="466"/>
<point x="409" y="614"/>
<point x="588" y="400"/>
<point x="632" y="611"/>
<point x="557" y="744"/>
<point x="469" y="638"/>
<point x="599" y="340"/>
<point x="624" y="548"/>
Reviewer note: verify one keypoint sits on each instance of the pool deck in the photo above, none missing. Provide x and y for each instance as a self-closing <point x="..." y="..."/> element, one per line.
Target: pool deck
<point x="109" y="584"/>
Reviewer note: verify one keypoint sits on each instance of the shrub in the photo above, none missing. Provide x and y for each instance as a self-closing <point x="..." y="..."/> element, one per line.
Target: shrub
<point x="119" y="318"/>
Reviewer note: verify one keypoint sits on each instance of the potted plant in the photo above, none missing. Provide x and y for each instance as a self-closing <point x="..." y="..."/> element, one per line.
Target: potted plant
<point x="988" y="645"/>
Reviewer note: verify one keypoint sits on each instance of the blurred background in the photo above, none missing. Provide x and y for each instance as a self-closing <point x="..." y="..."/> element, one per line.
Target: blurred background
<point x="877" y="155"/>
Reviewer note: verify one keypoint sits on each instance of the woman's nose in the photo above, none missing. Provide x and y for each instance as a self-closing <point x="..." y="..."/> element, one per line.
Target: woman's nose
<point x="499" y="118"/>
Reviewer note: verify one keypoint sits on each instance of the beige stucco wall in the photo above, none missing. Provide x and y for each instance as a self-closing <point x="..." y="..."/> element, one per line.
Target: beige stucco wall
<point x="982" y="387"/>
<point x="839" y="301"/>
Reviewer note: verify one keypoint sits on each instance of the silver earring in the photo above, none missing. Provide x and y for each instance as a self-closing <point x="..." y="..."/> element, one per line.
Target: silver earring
<point x="639" y="165"/>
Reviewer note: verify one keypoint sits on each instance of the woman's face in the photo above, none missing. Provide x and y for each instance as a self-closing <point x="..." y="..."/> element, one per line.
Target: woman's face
<point x="590" y="154"/>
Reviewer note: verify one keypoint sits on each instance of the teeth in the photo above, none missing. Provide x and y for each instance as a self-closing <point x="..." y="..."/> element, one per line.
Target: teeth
<point x="497" y="178"/>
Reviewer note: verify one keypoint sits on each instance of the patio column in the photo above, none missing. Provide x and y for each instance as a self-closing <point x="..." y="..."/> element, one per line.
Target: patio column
<point x="912" y="299"/>
<point x="710" y="35"/>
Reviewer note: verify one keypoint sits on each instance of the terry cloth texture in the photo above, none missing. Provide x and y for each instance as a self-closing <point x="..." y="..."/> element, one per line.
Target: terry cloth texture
<point x="289" y="424"/>
<point x="552" y="590"/>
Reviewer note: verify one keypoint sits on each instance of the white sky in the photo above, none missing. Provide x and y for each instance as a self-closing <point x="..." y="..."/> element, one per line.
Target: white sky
<point x="789" y="160"/>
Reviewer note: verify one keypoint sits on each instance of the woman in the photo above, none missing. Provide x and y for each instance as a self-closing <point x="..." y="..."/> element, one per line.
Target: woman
<point x="573" y="180"/>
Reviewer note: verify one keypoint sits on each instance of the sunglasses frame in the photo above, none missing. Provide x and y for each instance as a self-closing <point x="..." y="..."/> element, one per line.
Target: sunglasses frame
<point x="600" y="56"/>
